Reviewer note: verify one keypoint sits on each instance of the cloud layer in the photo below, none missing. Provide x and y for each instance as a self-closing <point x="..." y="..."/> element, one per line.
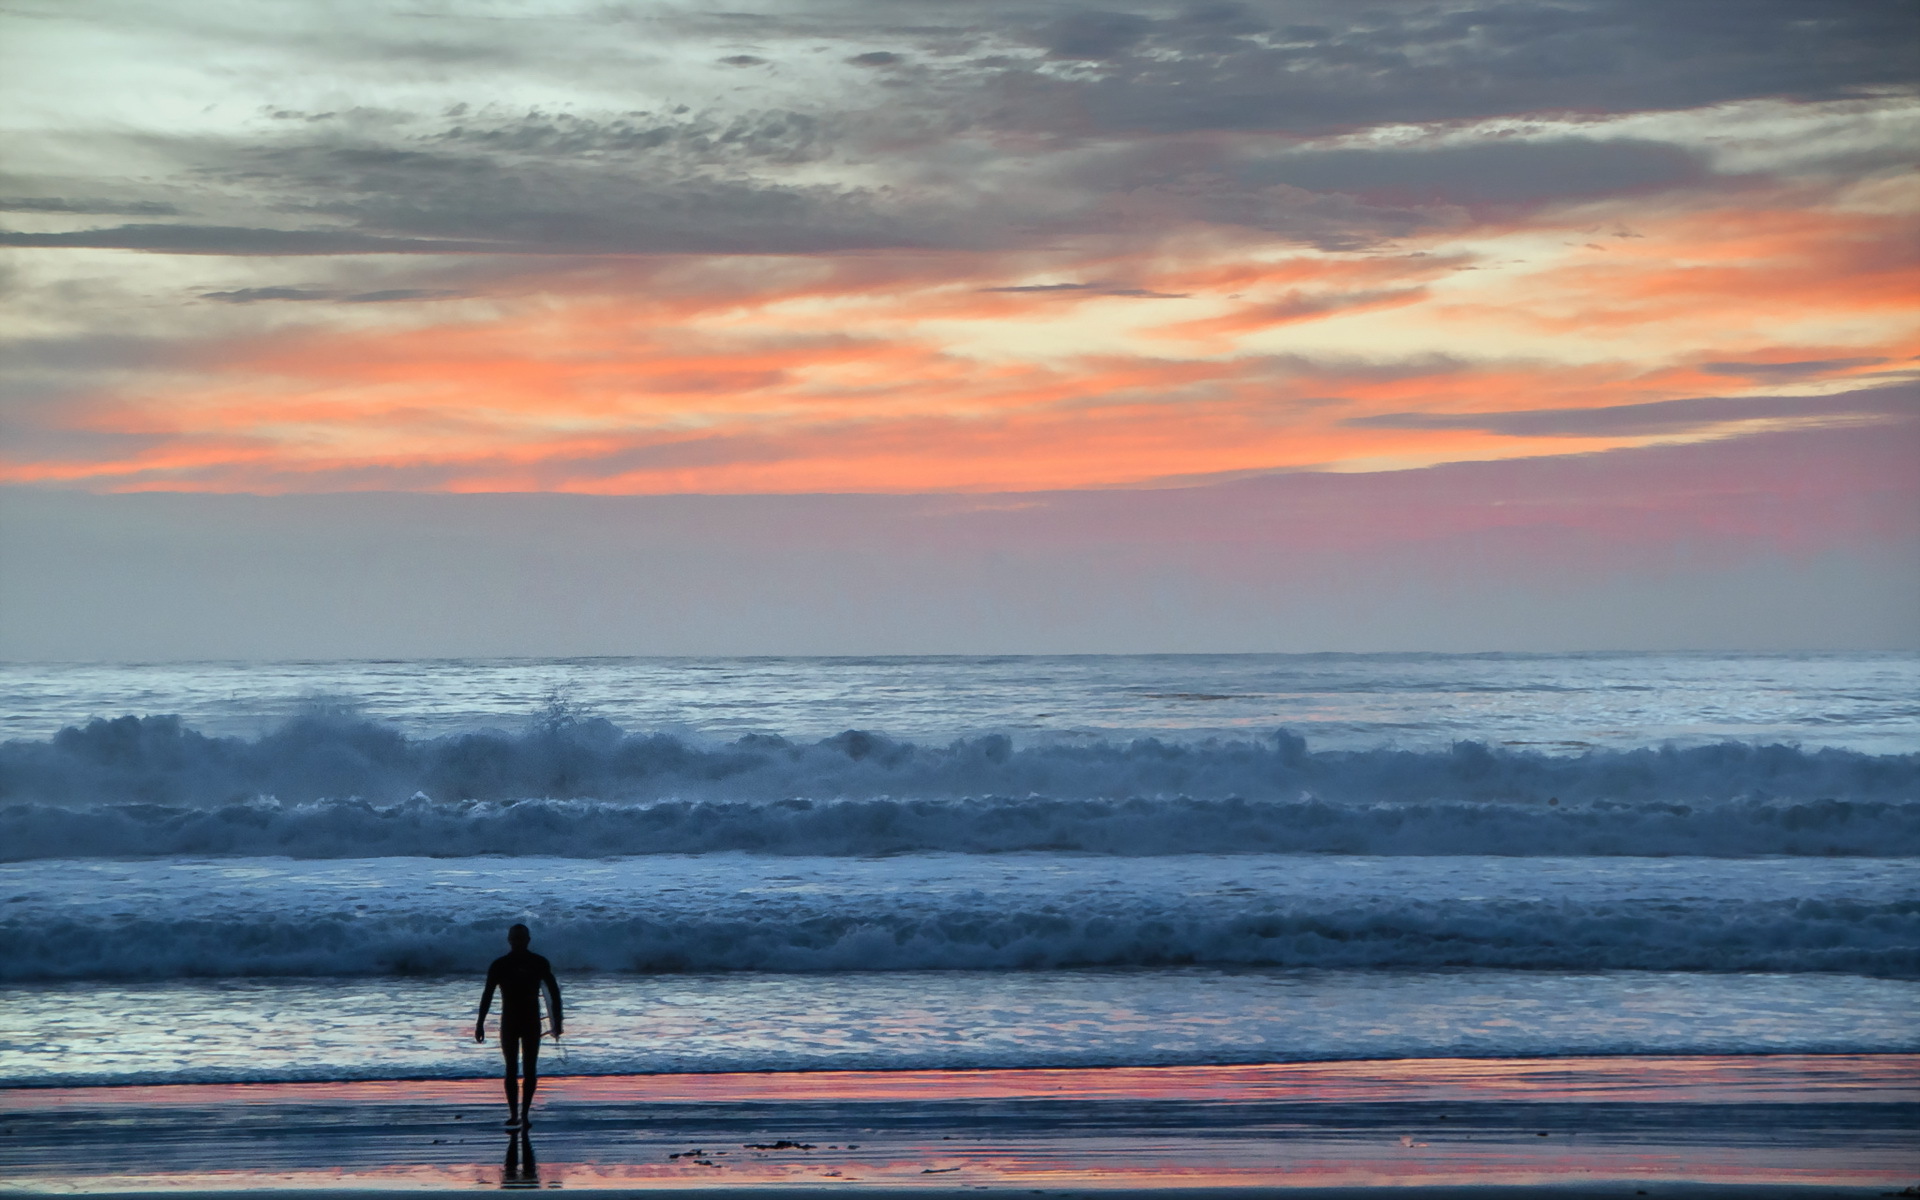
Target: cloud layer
<point x="838" y="245"/>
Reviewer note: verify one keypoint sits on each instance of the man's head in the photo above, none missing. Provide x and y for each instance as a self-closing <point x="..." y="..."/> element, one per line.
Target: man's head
<point x="519" y="936"/>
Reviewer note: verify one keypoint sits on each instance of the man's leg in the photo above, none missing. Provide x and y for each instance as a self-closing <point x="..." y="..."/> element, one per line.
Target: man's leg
<point x="510" y="1054"/>
<point x="530" y="1058"/>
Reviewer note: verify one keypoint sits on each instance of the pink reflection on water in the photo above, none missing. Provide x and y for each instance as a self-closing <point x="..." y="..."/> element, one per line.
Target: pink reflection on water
<point x="1782" y="1078"/>
<point x="1084" y="1164"/>
<point x="1173" y="1153"/>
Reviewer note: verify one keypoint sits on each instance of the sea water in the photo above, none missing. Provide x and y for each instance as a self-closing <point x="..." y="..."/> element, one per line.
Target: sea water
<point x="298" y="870"/>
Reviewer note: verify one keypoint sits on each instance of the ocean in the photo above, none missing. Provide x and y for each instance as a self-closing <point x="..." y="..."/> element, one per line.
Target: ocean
<point x="240" y="872"/>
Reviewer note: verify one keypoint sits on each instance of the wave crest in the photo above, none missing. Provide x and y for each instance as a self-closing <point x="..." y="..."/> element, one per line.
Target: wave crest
<point x="1583" y="932"/>
<point x="330" y="787"/>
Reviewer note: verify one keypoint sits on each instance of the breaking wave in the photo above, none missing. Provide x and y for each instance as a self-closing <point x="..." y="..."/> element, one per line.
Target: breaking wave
<point x="1537" y="937"/>
<point x="594" y="829"/>
<point x="1541" y="937"/>
<point x="324" y="787"/>
<point x="267" y="917"/>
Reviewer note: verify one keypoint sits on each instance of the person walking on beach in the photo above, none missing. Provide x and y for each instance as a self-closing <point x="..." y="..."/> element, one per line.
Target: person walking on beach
<point x="519" y="975"/>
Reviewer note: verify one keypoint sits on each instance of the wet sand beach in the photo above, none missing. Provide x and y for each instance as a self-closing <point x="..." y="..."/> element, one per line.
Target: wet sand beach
<point x="1841" y="1125"/>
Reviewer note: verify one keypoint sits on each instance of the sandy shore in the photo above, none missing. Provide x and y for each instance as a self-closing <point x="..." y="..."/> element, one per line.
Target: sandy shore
<point x="1702" y="1127"/>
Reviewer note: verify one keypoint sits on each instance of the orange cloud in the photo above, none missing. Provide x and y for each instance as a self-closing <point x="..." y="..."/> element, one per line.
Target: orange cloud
<point x="1085" y="367"/>
<point x="1725" y="271"/>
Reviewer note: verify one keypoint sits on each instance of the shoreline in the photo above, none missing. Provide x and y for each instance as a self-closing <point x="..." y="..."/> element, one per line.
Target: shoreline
<point x="1897" y="1072"/>
<point x="1556" y="1189"/>
<point x="1335" y="1066"/>
<point x="1703" y="1126"/>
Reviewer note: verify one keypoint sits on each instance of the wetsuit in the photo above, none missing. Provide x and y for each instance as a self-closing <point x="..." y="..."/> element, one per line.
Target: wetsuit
<point x="519" y="975"/>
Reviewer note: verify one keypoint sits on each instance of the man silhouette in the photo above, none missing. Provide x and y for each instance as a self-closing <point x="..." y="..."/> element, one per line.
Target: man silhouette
<point x="519" y="974"/>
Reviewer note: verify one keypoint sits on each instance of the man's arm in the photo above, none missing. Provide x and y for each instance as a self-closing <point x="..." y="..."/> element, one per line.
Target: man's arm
<point x="486" y="1002"/>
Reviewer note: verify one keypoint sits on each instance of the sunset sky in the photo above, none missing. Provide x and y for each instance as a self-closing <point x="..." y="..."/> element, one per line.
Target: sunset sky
<point x="1274" y="305"/>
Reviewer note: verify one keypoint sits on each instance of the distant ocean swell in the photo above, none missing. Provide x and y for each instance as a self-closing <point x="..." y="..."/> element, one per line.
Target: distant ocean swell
<point x="1880" y="938"/>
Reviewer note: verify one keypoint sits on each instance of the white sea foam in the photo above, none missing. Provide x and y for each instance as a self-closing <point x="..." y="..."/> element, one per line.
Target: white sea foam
<point x="342" y="787"/>
<point x="1858" y="701"/>
<point x="255" y="917"/>
<point x="420" y="1027"/>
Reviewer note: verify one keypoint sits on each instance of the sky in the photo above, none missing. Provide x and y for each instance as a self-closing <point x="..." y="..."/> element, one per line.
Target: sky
<point x="845" y="326"/>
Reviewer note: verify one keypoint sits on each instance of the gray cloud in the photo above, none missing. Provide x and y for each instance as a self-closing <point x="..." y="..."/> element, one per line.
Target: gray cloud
<point x="1043" y="287"/>
<point x="89" y="352"/>
<point x="125" y="208"/>
<point x="549" y="185"/>
<point x="1325" y="65"/>
<point x="682" y="140"/>
<point x="1490" y="171"/>
<point x="1330" y="221"/>
<point x="1304" y="305"/>
<point x="1095" y="35"/>
<point x="1097" y="289"/>
<point x="1103" y="100"/>
<point x="428" y="206"/>
<point x="232" y="239"/>
<point x="1789" y="370"/>
<point x="254" y="295"/>
<point x="400" y="295"/>
<point x="1661" y="417"/>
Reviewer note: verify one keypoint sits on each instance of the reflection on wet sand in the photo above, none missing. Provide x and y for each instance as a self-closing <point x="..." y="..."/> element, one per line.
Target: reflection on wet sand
<point x="1833" y="1122"/>
<point x="521" y="1170"/>
<point x="1698" y="1078"/>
